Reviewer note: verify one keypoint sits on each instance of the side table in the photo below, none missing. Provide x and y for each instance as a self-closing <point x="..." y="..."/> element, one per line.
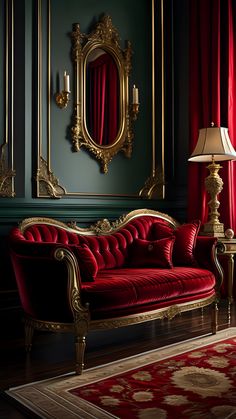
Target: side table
<point x="227" y="247"/>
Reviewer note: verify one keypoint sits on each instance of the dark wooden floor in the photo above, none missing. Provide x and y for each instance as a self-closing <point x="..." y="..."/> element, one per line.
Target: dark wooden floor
<point x="53" y="354"/>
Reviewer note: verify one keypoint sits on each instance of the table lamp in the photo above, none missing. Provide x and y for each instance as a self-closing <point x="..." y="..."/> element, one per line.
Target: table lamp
<point x="213" y="145"/>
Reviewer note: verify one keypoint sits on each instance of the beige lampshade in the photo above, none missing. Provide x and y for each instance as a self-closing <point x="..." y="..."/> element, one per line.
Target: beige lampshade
<point x="213" y="142"/>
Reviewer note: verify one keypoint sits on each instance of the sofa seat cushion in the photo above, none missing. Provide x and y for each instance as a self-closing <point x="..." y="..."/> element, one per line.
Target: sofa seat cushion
<point x="127" y="289"/>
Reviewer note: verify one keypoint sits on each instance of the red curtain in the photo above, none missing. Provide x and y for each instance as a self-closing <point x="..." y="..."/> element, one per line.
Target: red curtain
<point x="104" y="99"/>
<point x="212" y="98"/>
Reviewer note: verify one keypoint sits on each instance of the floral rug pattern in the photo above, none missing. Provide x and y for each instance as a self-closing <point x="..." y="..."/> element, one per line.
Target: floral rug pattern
<point x="196" y="384"/>
<point x="195" y="379"/>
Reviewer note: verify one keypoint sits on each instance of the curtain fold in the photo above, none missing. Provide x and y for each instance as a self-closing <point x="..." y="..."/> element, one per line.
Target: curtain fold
<point x="212" y="98"/>
<point x="104" y="99"/>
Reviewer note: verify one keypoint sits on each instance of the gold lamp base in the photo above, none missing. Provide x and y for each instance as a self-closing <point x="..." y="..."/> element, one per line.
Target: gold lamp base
<point x="214" y="185"/>
<point x="213" y="230"/>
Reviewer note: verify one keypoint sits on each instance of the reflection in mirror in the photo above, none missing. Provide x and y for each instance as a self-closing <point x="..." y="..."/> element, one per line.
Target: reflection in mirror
<point x="102" y="119"/>
<point x="102" y="94"/>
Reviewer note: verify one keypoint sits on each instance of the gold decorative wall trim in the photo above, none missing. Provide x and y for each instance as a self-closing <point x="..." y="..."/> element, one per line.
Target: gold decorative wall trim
<point x="154" y="187"/>
<point x="47" y="184"/>
<point x="7" y="173"/>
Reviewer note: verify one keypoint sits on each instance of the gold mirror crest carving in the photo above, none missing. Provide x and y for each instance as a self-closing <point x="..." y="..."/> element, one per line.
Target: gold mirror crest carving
<point x="103" y="43"/>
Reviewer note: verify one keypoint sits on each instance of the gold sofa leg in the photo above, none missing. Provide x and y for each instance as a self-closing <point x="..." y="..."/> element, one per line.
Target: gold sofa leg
<point x="215" y="317"/>
<point x="80" y="344"/>
<point x="81" y="331"/>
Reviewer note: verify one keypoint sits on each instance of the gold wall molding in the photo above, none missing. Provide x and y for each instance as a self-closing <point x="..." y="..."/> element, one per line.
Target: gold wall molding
<point x="7" y="172"/>
<point x="47" y="184"/>
<point x="154" y="187"/>
<point x="6" y="176"/>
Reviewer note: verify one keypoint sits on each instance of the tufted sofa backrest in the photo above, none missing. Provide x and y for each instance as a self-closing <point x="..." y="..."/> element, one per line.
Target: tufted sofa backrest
<point x="110" y="250"/>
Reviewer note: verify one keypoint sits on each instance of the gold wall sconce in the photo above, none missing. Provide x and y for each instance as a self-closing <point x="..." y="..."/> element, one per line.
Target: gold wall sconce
<point x="62" y="98"/>
<point x="135" y="103"/>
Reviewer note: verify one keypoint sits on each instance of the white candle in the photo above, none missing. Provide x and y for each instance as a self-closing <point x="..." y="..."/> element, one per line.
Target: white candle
<point x="135" y="95"/>
<point x="66" y="82"/>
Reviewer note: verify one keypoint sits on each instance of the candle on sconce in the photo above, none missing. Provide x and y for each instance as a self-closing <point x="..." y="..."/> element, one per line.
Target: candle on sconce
<point x="66" y="82"/>
<point x="135" y="95"/>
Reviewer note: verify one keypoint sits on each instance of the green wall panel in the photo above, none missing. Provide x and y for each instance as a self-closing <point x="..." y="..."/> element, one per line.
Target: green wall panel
<point x="126" y="176"/>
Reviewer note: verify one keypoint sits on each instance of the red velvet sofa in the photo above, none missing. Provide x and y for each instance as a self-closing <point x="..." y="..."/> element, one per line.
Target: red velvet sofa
<point x="142" y="267"/>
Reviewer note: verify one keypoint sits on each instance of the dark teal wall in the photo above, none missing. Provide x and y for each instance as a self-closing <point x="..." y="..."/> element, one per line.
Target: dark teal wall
<point x="133" y="21"/>
<point x="80" y="172"/>
<point x="115" y="193"/>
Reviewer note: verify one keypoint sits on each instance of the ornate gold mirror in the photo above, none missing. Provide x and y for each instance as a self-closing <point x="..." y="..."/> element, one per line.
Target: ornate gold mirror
<point x="102" y="118"/>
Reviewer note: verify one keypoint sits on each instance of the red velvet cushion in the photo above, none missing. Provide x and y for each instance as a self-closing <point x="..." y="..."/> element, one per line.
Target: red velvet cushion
<point x="157" y="253"/>
<point x="129" y="290"/>
<point x="186" y="235"/>
<point x="87" y="262"/>
<point x="160" y="230"/>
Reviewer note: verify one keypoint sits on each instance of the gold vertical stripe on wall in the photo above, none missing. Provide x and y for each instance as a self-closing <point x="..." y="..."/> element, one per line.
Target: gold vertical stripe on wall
<point x="39" y="93"/>
<point x="155" y="185"/>
<point x="7" y="73"/>
<point x="7" y="173"/>
<point x="49" y="88"/>
<point x="47" y="183"/>
<point x="12" y="85"/>
<point x="154" y="90"/>
<point x="153" y="95"/>
<point x="162" y="88"/>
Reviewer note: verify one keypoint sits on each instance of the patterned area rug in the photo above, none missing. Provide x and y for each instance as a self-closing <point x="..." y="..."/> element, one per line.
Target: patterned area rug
<point x="194" y="379"/>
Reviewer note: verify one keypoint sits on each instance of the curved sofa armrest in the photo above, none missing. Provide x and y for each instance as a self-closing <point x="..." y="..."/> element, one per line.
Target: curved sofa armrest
<point x="206" y="256"/>
<point x="43" y="281"/>
<point x="63" y="253"/>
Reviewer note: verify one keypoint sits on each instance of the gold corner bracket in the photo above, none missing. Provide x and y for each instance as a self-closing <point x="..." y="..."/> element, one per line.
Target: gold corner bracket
<point x="7" y="176"/>
<point x="48" y="184"/>
<point x="154" y="187"/>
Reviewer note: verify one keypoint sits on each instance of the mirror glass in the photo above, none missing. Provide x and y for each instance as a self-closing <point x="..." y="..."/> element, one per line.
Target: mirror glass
<point x="102" y="97"/>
